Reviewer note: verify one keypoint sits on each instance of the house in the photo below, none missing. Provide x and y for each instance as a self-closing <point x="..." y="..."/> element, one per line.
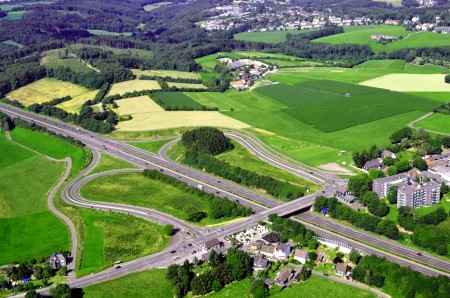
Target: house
<point x="284" y="276"/>
<point x="296" y="277"/>
<point x="443" y="30"/>
<point x="282" y="251"/>
<point x="57" y="261"/>
<point x="220" y="250"/>
<point x="342" y="191"/>
<point x="210" y="244"/>
<point x="348" y="199"/>
<point x="387" y="153"/>
<point x="256" y="244"/>
<point x="392" y="22"/>
<point x="301" y="255"/>
<point x="260" y="263"/>
<point x="341" y="269"/>
<point x="373" y="164"/>
<point x="238" y="84"/>
<point x="267" y="250"/>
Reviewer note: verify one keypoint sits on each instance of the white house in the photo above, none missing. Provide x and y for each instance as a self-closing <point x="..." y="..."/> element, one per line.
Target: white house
<point x="267" y="250"/>
<point x="301" y="255"/>
<point x="282" y="251"/>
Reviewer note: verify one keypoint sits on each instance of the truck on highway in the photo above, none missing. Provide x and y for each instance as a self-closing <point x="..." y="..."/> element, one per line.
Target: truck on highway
<point x="200" y="187"/>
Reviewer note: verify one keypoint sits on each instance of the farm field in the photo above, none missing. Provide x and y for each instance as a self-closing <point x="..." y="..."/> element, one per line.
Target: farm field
<point x="186" y="85"/>
<point x="150" y="7"/>
<point x="74" y="105"/>
<point x="15" y="15"/>
<point x="29" y="228"/>
<point x="177" y="99"/>
<point x="151" y="146"/>
<point x="8" y="7"/>
<point x="111" y="237"/>
<point x="151" y="284"/>
<point x="134" y="85"/>
<point x="443" y="97"/>
<point x="395" y="3"/>
<point x="173" y="119"/>
<point x="361" y="35"/>
<point x="136" y="105"/>
<point x="103" y="32"/>
<point x="166" y="73"/>
<point x="51" y="59"/>
<point x="436" y="122"/>
<point x="45" y="90"/>
<point x="268" y="36"/>
<point x="208" y="62"/>
<point x="135" y="189"/>
<point x="410" y="83"/>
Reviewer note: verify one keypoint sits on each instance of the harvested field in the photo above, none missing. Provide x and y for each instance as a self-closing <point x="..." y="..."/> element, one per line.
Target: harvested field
<point x="186" y="85"/>
<point x="410" y="83"/>
<point x="137" y="105"/>
<point x="164" y="120"/>
<point x="74" y="105"/>
<point x="134" y="85"/>
<point x="167" y="73"/>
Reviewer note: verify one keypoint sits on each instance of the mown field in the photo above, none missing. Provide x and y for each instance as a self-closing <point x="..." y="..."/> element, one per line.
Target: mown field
<point x="136" y="105"/>
<point x="51" y="59"/>
<point x="436" y="122"/>
<point x="267" y="36"/>
<point x="135" y="189"/>
<point x="410" y="83"/>
<point x="177" y="99"/>
<point x="103" y="32"/>
<point x="74" y="105"/>
<point x="361" y="35"/>
<point x="134" y="85"/>
<point x="108" y="163"/>
<point x="151" y="146"/>
<point x="111" y="237"/>
<point x="29" y="229"/>
<point x="186" y="85"/>
<point x="166" y="73"/>
<point x="45" y="90"/>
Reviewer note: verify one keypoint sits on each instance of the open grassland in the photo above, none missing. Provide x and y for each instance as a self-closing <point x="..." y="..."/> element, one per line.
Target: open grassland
<point x="410" y="83"/>
<point x="362" y="35"/>
<point x="150" y="284"/>
<point x="150" y="146"/>
<point x="74" y="105"/>
<point x="29" y="229"/>
<point x="132" y="52"/>
<point x="166" y="73"/>
<point x="108" y="163"/>
<point x="135" y="189"/>
<point x="137" y="105"/>
<point x="267" y="36"/>
<point x="150" y="7"/>
<point x="111" y="237"/>
<point x="15" y="15"/>
<point x="51" y="59"/>
<point x="208" y="62"/>
<point x="395" y="3"/>
<point x="166" y="120"/>
<point x="436" y="122"/>
<point x="13" y="43"/>
<point x="186" y="85"/>
<point x="390" y="64"/>
<point x="443" y="97"/>
<point x="323" y="104"/>
<point x="177" y="99"/>
<point x="103" y="32"/>
<point x="45" y="90"/>
<point x="134" y="85"/>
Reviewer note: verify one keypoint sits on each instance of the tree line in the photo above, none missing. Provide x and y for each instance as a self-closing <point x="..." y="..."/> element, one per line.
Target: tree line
<point x="291" y="229"/>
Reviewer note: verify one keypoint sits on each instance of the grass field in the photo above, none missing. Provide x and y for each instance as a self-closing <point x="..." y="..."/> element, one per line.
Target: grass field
<point x="29" y="229"/>
<point x="166" y="73"/>
<point x="268" y="36"/>
<point x="361" y="35"/>
<point x="8" y="7"/>
<point x="166" y="120"/>
<point x="13" y="43"/>
<point x="395" y="3"/>
<point x="436" y="122"/>
<point x="151" y="146"/>
<point x="135" y="189"/>
<point x="51" y="59"/>
<point x="103" y="32"/>
<point x="134" y="85"/>
<point x="178" y="99"/>
<point x="136" y="105"/>
<point x="186" y="85"/>
<point x="410" y="83"/>
<point x="45" y="90"/>
<point x="108" y="163"/>
<point x="15" y="15"/>
<point x="150" y="284"/>
<point x="150" y="7"/>
<point x="111" y="237"/>
<point x="208" y="62"/>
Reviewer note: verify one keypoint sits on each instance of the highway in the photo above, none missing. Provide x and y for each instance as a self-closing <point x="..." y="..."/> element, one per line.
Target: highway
<point x="261" y="205"/>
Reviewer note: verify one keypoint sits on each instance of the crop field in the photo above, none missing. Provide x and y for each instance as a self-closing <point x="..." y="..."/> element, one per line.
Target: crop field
<point x="443" y="97"/>
<point x="150" y="283"/>
<point x="111" y="237"/>
<point x="410" y="83"/>
<point x="45" y="90"/>
<point x="150" y="7"/>
<point x="15" y="15"/>
<point x="135" y="189"/>
<point x="74" y="105"/>
<point x="395" y="3"/>
<point x="165" y="120"/>
<point x="178" y="99"/>
<point x="8" y="7"/>
<point x="133" y="85"/>
<point x="166" y="73"/>
<point x="29" y="229"/>
<point x="137" y="105"/>
<point x="436" y="122"/>
<point x="186" y="85"/>
<point x="268" y="36"/>
<point x="361" y="35"/>
<point x="103" y="32"/>
<point x="208" y="62"/>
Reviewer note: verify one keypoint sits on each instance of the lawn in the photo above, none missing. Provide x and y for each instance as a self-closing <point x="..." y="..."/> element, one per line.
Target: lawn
<point x="177" y="99"/>
<point x="267" y="36"/>
<point x="362" y="35"/>
<point x="436" y="122"/>
<point x="150" y="284"/>
<point x="13" y="43"/>
<point x="111" y="237"/>
<point x="167" y="73"/>
<point x="135" y="189"/>
<point x="103" y="32"/>
<point x="108" y="163"/>
<point x="239" y="289"/>
<point x="186" y="85"/>
<point x="137" y="105"/>
<point x="44" y="90"/>
<point x="150" y="7"/>
<point x="410" y="83"/>
<point x="150" y="146"/>
<point x="134" y="85"/>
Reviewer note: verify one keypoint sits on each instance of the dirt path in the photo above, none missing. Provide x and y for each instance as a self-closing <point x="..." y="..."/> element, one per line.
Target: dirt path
<point x="85" y="63"/>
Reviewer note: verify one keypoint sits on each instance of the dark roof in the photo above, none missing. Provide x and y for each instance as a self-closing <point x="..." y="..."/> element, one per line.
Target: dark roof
<point x="238" y="64"/>
<point x="284" y="275"/>
<point x="341" y="267"/>
<point x="212" y="243"/>
<point x="282" y="247"/>
<point x="374" y="163"/>
<point x="348" y="198"/>
<point x="220" y="250"/>
<point x="259" y="262"/>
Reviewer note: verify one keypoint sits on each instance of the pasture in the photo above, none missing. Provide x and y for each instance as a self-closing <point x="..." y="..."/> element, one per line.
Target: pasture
<point x="209" y="62"/>
<point x="137" y="105"/>
<point x="186" y="85"/>
<point x="13" y="43"/>
<point x="45" y="90"/>
<point x="135" y="189"/>
<point x="110" y="237"/>
<point x="8" y="7"/>
<point x="133" y="85"/>
<point x="410" y="83"/>
<point x="15" y="15"/>
<point x="150" y="7"/>
<point x="395" y="3"/>
<point x="174" y="119"/>
<point x="267" y="36"/>
<point x="51" y="59"/>
<point x="110" y="33"/>
<point x="439" y="123"/>
<point x="166" y="73"/>
<point x="178" y="99"/>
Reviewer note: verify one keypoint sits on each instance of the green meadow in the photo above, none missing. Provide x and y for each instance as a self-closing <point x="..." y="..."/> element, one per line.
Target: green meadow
<point x="267" y="36"/>
<point x="151" y="146"/>
<point x="439" y="123"/>
<point x="176" y="99"/>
